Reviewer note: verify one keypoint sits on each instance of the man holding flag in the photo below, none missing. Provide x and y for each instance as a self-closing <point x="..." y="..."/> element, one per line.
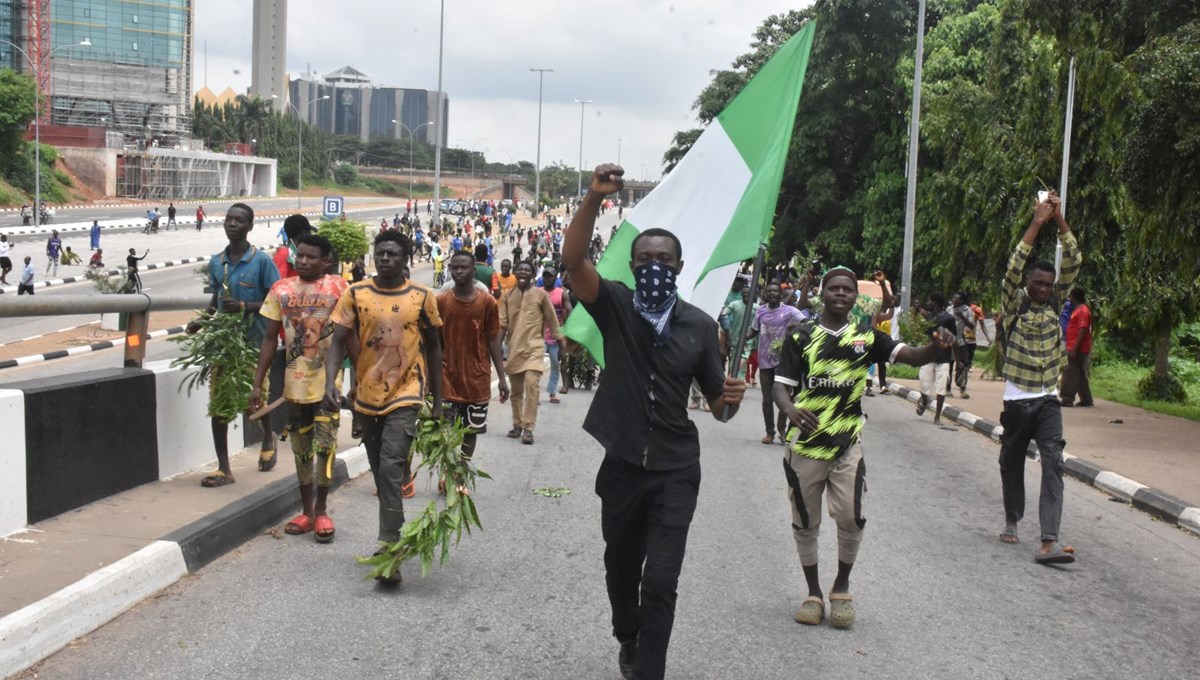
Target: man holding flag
<point x="648" y="483"/>
<point x="649" y="320"/>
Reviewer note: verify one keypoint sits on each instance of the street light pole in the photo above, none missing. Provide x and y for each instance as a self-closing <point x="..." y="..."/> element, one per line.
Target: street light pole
<point x="582" y="105"/>
<point x="473" y="147"/>
<point x="37" y="122"/>
<point x="441" y="122"/>
<point x="300" y="147"/>
<point x="537" y="170"/>
<point x="619" y="140"/>
<point x="411" y="133"/>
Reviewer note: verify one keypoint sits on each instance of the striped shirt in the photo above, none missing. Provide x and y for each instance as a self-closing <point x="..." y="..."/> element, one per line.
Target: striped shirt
<point x="1033" y="356"/>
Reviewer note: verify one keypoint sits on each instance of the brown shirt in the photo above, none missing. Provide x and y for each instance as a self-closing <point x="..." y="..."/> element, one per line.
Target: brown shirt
<point x="523" y="314"/>
<point x="391" y="361"/>
<point x="467" y="327"/>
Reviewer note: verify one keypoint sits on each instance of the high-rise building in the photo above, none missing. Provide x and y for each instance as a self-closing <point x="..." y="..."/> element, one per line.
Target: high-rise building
<point x="268" y="72"/>
<point x="134" y="78"/>
<point x="358" y="108"/>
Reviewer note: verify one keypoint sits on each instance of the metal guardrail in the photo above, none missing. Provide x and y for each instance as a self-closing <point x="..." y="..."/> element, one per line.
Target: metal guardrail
<point x="136" y="305"/>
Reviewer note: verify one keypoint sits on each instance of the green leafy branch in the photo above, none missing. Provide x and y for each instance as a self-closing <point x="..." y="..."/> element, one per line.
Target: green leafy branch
<point x="219" y="353"/>
<point x="440" y="445"/>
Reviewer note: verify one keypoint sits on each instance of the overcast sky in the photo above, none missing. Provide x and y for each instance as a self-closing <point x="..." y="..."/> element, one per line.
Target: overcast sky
<point x="642" y="62"/>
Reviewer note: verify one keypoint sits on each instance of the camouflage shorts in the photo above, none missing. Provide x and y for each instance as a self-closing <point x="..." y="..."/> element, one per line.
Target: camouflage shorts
<point x="314" y="434"/>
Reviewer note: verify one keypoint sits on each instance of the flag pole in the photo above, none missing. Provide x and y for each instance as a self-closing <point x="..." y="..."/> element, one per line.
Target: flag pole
<point x="735" y="358"/>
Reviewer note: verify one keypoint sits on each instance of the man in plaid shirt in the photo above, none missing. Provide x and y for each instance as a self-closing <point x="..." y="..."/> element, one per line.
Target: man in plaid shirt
<point x="1033" y="362"/>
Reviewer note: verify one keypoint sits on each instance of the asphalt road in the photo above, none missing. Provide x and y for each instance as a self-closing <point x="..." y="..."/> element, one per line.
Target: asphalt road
<point x="937" y="595"/>
<point x="186" y="209"/>
<point x="164" y="246"/>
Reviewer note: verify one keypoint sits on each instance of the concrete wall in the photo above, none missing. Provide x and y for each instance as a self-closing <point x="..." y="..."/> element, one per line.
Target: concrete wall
<point x="96" y="168"/>
<point x="184" y="433"/>
<point x="12" y="462"/>
<point x="71" y="440"/>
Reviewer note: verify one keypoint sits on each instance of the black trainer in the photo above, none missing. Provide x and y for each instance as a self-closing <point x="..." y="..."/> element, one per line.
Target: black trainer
<point x="626" y="658"/>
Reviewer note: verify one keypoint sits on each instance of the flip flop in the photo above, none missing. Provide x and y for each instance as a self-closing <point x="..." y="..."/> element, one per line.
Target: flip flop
<point x="1009" y="535"/>
<point x="922" y="404"/>
<point x="266" y="460"/>
<point x="769" y="439"/>
<point x="1060" y="554"/>
<point x="323" y="529"/>
<point x="554" y="399"/>
<point x="300" y="524"/>
<point x="216" y="479"/>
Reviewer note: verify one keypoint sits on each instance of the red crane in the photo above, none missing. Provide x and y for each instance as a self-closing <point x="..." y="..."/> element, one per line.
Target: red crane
<point x="39" y="49"/>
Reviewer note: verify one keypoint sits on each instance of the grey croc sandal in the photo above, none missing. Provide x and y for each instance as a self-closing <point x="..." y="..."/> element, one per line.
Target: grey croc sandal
<point x="841" y="610"/>
<point x="811" y="611"/>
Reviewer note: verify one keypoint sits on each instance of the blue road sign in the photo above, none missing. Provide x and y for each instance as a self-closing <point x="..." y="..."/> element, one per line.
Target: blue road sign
<point x="333" y="206"/>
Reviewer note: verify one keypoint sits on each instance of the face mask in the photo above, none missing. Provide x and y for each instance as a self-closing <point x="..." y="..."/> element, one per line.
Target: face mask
<point x="654" y="297"/>
<point x="654" y="285"/>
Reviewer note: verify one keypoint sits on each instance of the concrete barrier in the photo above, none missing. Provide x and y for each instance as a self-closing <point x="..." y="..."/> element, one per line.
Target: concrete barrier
<point x="88" y="435"/>
<point x="13" y="502"/>
<point x="183" y="428"/>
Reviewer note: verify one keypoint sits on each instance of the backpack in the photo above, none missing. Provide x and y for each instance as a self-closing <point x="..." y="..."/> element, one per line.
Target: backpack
<point x="1006" y="327"/>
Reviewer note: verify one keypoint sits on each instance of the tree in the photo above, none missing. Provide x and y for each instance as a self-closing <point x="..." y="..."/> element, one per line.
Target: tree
<point x="1161" y="167"/>
<point x="345" y="174"/>
<point x="16" y="110"/>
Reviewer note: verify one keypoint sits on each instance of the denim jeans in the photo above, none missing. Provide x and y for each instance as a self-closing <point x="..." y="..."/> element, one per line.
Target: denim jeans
<point x="552" y="386"/>
<point x="1039" y="420"/>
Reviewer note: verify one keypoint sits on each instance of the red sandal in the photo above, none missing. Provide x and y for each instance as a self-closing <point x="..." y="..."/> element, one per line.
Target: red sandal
<point x="300" y="524"/>
<point x="324" y="529"/>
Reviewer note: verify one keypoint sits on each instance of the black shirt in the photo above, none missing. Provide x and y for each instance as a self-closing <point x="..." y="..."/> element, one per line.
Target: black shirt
<point x="945" y="320"/>
<point x="639" y="413"/>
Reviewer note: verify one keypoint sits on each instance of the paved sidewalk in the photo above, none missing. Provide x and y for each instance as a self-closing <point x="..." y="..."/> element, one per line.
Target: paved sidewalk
<point x="70" y="574"/>
<point x="1109" y="441"/>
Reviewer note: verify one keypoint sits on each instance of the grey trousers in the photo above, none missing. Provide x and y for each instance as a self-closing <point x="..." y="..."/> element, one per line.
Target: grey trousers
<point x="388" y="440"/>
<point x="1038" y="420"/>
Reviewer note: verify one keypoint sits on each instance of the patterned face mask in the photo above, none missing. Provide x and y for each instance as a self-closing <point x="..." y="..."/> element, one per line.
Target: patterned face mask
<point x="654" y="297"/>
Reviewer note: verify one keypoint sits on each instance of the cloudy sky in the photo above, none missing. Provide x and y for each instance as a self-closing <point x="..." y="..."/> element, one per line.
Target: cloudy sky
<point x="642" y="62"/>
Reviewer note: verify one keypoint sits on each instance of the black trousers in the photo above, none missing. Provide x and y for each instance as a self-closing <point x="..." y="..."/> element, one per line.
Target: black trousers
<point x="645" y="516"/>
<point x="771" y="421"/>
<point x="1038" y="420"/>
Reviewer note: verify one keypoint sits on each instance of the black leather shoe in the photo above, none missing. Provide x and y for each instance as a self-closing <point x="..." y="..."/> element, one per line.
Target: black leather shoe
<point x="626" y="658"/>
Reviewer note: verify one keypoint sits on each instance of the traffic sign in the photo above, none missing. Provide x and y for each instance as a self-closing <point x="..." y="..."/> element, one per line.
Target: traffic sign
<point x="333" y="206"/>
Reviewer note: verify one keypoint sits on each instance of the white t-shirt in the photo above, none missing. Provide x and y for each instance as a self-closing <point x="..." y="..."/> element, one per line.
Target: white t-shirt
<point x="5" y="247"/>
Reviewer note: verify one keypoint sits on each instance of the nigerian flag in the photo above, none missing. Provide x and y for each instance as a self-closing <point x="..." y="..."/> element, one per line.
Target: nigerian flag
<point x="720" y="199"/>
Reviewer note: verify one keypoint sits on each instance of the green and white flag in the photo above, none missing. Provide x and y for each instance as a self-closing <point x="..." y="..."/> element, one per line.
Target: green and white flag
<point x="720" y="199"/>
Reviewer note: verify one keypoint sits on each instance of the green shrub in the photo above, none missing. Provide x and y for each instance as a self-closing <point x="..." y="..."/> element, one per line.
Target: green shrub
<point x="348" y="237"/>
<point x="345" y="174"/>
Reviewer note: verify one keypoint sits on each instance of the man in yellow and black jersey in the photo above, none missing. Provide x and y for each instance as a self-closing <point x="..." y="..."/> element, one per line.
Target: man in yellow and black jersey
<point x="819" y="385"/>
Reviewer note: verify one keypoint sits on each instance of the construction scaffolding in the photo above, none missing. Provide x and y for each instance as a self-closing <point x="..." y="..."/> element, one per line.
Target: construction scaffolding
<point x="147" y="105"/>
<point x="167" y="174"/>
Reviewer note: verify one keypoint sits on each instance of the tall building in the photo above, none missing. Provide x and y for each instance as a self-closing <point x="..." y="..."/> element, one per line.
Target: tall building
<point x="269" y="56"/>
<point x="135" y="77"/>
<point x="358" y="108"/>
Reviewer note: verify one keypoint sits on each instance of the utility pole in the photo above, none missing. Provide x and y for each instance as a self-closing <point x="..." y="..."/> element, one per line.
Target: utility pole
<point x="619" y="140"/>
<point x="537" y="170"/>
<point x="441" y="121"/>
<point x="582" y="105"/>
<point x="914" y="130"/>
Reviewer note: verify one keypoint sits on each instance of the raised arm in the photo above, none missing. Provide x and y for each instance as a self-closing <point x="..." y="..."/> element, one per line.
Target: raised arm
<point x="606" y="179"/>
